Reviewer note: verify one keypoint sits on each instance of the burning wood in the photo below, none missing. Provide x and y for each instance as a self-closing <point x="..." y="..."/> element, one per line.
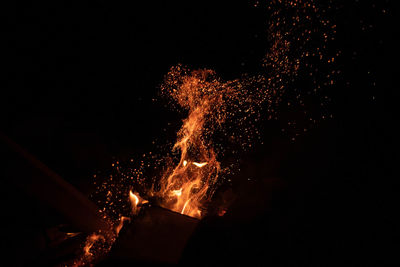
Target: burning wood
<point x="216" y="108"/>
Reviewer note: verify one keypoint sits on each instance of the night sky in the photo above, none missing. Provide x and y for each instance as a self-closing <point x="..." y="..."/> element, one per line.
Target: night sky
<point x="80" y="88"/>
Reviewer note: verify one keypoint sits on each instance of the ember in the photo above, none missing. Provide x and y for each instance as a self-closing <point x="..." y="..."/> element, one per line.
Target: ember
<point x="186" y="179"/>
<point x="221" y="120"/>
<point x="200" y="123"/>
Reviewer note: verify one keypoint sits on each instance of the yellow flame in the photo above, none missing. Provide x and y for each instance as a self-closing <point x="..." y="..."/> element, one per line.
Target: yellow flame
<point x="184" y="206"/>
<point x="134" y="202"/>
<point x="72" y="234"/>
<point x="177" y="193"/>
<point x="200" y="164"/>
<point x="184" y="163"/>
<point x="134" y="199"/>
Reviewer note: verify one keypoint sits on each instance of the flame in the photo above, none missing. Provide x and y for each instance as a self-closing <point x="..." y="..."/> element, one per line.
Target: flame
<point x="122" y="220"/>
<point x="134" y="202"/>
<point x="177" y="192"/>
<point x="184" y="206"/>
<point x="72" y="234"/>
<point x="199" y="213"/>
<point x="92" y="239"/>
<point x="134" y="199"/>
<point x="185" y="187"/>
<point x="200" y="164"/>
<point x="189" y="183"/>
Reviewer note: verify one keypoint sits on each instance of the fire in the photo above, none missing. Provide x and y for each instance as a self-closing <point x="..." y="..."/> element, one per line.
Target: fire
<point x="177" y="193"/>
<point x="121" y="224"/>
<point x="72" y="234"/>
<point x="134" y="199"/>
<point x="92" y="239"/>
<point x="134" y="202"/>
<point x="228" y="111"/>
<point x="185" y="187"/>
<point x="184" y="206"/>
<point x="200" y="164"/>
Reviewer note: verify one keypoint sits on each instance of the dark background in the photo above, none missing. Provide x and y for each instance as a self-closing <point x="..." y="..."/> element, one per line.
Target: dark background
<point x="77" y="85"/>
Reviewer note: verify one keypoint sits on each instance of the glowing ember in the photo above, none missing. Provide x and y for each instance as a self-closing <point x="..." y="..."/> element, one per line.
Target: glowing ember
<point x="217" y="108"/>
<point x="221" y="213"/>
<point x="72" y="234"/>
<point x="94" y="245"/>
<point x="91" y="241"/>
<point x="185" y="180"/>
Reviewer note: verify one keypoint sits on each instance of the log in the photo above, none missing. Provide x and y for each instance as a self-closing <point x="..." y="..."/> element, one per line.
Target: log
<point x="36" y="179"/>
<point x="158" y="236"/>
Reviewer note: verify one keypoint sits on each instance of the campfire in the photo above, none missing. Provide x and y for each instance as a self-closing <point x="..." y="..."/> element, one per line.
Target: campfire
<point x="148" y="211"/>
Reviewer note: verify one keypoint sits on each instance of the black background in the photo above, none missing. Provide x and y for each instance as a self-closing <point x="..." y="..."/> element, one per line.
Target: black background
<point x="77" y="86"/>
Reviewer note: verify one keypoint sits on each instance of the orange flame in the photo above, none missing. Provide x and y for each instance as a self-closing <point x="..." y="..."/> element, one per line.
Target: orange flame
<point x="92" y="239"/>
<point x="72" y="234"/>
<point x="123" y="219"/>
<point x="185" y="187"/>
